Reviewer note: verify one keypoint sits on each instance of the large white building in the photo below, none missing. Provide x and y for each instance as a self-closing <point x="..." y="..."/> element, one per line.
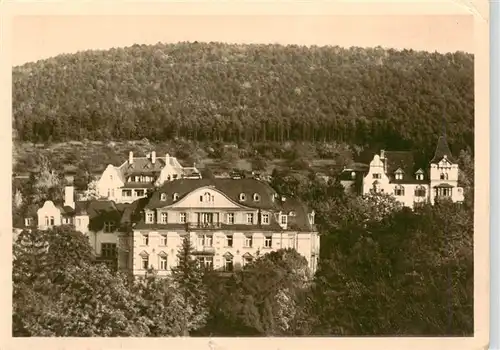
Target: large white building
<point x="394" y="172"/>
<point x="229" y="222"/>
<point x="138" y="175"/>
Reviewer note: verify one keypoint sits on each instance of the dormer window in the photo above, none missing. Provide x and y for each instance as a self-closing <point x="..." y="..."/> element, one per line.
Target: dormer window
<point x="353" y="175"/>
<point x="109" y="226"/>
<point x="292" y="213"/>
<point x="163" y="197"/>
<point x="243" y="197"/>
<point x="175" y="196"/>
<point x="399" y="174"/>
<point x="149" y="218"/>
<point x="28" y="221"/>
<point x="256" y="197"/>
<point x="419" y="174"/>
<point x="284" y="219"/>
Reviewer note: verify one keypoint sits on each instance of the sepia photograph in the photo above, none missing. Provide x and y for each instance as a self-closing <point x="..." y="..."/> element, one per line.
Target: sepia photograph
<point x="243" y="176"/>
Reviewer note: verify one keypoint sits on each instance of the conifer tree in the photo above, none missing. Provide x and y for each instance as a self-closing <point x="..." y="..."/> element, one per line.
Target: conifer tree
<point x="188" y="278"/>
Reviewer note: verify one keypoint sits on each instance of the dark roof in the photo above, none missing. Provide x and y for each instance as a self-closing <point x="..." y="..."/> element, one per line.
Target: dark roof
<point x="444" y="185"/>
<point x="230" y="187"/>
<point x="442" y="149"/>
<point x="402" y="160"/>
<point x="142" y="165"/>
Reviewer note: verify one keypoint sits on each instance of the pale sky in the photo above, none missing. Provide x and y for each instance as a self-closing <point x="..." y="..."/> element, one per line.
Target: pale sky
<point x="38" y="37"/>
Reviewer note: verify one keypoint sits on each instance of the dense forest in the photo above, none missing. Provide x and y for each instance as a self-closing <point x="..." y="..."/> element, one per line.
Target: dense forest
<point x="248" y="93"/>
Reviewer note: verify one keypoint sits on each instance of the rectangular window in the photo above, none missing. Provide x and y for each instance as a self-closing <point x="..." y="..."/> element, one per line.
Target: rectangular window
<point x="79" y="222"/>
<point x="127" y="193"/>
<point x="206" y="262"/>
<point x="149" y="218"/>
<point x="291" y="242"/>
<point x="163" y="263"/>
<point x="52" y="221"/>
<point x="229" y="240"/>
<point x="250" y="218"/>
<point x="109" y="226"/>
<point x="230" y="218"/>
<point x="205" y="240"/>
<point x="182" y="218"/>
<point x="139" y="193"/>
<point x="377" y="176"/>
<point x="163" y="240"/>
<point x="164" y="218"/>
<point x="28" y="221"/>
<point x="145" y="262"/>
<point x="248" y="241"/>
<point x="265" y="219"/>
<point x="145" y="239"/>
<point x="268" y="241"/>
<point x="108" y="250"/>
<point x="284" y="219"/>
<point x="47" y="222"/>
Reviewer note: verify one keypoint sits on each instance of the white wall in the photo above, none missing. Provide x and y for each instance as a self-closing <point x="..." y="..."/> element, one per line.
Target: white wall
<point x="305" y="243"/>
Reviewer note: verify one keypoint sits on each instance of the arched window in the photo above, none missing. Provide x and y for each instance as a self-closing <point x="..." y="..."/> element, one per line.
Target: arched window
<point x="207" y="197"/>
<point x="243" y="197"/>
<point x="256" y="197"/>
<point x="399" y="190"/>
<point x="163" y="197"/>
<point x="420" y="191"/>
<point x="175" y="196"/>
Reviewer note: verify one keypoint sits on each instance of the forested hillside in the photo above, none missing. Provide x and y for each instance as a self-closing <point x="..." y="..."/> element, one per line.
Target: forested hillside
<point x="235" y="93"/>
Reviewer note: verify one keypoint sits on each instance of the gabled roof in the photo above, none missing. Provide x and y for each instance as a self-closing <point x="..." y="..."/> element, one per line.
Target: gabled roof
<point x="141" y="165"/>
<point x="402" y="162"/>
<point x="230" y="187"/>
<point x="134" y="213"/>
<point x="442" y="149"/>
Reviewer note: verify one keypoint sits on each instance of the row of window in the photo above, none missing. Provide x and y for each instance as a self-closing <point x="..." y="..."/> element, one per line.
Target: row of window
<point x="212" y="218"/>
<point x="398" y="176"/>
<point x="209" y="198"/>
<point x="206" y="240"/>
<point x="204" y="261"/>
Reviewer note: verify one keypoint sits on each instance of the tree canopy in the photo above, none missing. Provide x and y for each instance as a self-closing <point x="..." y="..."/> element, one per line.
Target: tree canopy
<point x="248" y="93"/>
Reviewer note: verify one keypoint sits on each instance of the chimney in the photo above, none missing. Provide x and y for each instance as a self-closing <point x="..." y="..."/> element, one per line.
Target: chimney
<point x="153" y="157"/>
<point x="130" y="157"/>
<point x="69" y="196"/>
<point x="382" y="154"/>
<point x="167" y="158"/>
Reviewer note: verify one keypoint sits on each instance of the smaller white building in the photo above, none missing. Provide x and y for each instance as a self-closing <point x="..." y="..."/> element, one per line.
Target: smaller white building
<point x="395" y="173"/>
<point x="135" y="177"/>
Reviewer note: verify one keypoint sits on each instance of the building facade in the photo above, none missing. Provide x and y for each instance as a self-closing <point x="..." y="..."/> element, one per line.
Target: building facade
<point x="395" y="173"/>
<point x="229" y="223"/>
<point x="135" y="177"/>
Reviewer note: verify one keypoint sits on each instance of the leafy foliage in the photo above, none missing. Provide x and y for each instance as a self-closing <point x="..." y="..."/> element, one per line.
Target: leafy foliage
<point x="247" y="93"/>
<point x="264" y="298"/>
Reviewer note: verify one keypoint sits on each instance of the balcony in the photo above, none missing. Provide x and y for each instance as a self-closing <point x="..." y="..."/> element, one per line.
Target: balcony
<point x="204" y="225"/>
